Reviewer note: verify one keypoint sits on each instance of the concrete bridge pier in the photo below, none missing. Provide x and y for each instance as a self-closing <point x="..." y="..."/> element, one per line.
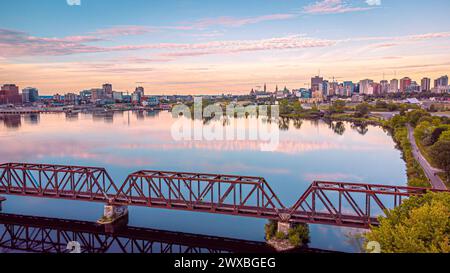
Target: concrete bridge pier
<point x="284" y="224"/>
<point x="2" y="199"/>
<point x="114" y="216"/>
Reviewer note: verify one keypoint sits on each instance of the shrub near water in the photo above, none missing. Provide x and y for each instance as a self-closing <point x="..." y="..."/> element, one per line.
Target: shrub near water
<point x="298" y="235"/>
<point x="419" y="225"/>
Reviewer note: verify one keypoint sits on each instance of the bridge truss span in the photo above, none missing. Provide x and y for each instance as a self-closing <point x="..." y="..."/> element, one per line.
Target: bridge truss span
<point x="328" y="203"/>
<point x="56" y="181"/>
<point x="349" y="204"/>
<point x="227" y="194"/>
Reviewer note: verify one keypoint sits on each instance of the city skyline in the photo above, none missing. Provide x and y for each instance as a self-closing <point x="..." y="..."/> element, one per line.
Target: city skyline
<point x="184" y="47"/>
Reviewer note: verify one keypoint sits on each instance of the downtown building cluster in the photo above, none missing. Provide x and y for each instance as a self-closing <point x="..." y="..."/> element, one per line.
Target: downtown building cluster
<point x="10" y="95"/>
<point x="320" y="89"/>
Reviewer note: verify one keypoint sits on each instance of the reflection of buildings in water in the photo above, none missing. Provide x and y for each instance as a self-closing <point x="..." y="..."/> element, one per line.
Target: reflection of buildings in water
<point x="32" y="119"/>
<point x="139" y="115"/>
<point x="314" y="122"/>
<point x="118" y="114"/>
<point x="11" y="121"/>
<point x="153" y="114"/>
<point x="105" y="116"/>
<point x="72" y="116"/>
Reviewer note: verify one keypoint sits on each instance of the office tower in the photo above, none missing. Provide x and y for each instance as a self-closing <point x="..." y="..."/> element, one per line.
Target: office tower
<point x="393" y="86"/>
<point x="365" y="87"/>
<point x="315" y="83"/>
<point x="405" y="84"/>
<point x="9" y="94"/>
<point x="425" y="85"/>
<point x="442" y="81"/>
<point x="30" y="95"/>
<point x="384" y="87"/>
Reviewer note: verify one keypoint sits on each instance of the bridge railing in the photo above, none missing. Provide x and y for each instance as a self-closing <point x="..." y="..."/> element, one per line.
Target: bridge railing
<point x="208" y="192"/>
<point x="56" y="181"/>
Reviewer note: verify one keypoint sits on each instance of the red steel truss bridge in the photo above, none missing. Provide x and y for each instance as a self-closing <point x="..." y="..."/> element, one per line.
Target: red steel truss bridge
<point x="329" y="203"/>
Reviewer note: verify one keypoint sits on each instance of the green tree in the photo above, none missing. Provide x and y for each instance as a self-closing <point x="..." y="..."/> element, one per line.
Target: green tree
<point x="297" y="107"/>
<point x="362" y="110"/>
<point x="337" y="107"/>
<point x="380" y="104"/>
<point x="440" y="154"/>
<point x="419" y="225"/>
<point x="285" y="107"/>
<point x="392" y="107"/>
<point x="414" y="116"/>
<point x="397" y="121"/>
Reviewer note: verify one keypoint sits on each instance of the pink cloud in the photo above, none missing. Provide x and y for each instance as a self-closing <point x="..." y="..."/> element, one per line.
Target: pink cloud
<point x="125" y="30"/>
<point x="17" y="44"/>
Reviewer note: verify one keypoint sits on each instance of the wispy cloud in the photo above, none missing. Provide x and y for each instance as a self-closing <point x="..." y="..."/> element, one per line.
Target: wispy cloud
<point x="373" y="2"/>
<point x="18" y="44"/>
<point x="125" y="30"/>
<point x="237" y="22"/>
<point x="332" y="7"/>
<point x="227" y="47"/>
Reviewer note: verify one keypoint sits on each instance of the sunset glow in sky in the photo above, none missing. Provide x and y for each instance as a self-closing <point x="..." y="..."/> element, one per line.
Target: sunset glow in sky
<point x="214" y="47"/>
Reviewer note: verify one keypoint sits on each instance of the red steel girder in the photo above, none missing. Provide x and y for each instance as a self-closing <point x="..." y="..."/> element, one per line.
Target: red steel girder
<point x="330" y="203"/>
<point x="227" y="194"/>
<point x="56" y="181"/>
<point x="323" y="203"/>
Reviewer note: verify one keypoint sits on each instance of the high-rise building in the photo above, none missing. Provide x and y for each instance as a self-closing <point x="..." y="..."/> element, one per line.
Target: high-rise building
<point x="315" y="83"/>
<point x="425" y="85"/>
<point x="30" y="95"/>
<point x="9" y="94"/>
<point x="108" y="89"/>
<point x="375" y="88"/>
<point x="349" y="88"/>
<point x="365" y="87"/>
<point x="442" y="81"/>
<point x="11" y="88"/>
<point x="414" y="87"/>
<point x="137" y="95"/>
<point x="405" y="84"/>
<point x="384" y="87"/>
<point x="140" y="90"/>
<point x="325" y="87"/>
<point x="71" y="99"/>
<point x="97" y="94"/>
<point x="393" y="86"/>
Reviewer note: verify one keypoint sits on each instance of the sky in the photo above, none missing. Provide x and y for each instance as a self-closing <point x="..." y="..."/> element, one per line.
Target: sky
<point x="215" y="47"/>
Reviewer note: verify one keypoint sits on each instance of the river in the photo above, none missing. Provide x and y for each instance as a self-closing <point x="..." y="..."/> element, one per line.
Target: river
<point x="124" y="142"/>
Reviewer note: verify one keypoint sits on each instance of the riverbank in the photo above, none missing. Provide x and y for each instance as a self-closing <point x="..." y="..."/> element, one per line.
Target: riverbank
<point x="430" y="172"/>
<point x="416" y="175"/>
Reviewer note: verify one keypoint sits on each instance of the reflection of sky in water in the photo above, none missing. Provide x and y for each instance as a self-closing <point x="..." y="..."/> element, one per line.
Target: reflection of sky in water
<point x="127" y="142"/>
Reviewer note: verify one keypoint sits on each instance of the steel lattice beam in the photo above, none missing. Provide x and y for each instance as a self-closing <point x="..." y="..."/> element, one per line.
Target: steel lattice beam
<point x="226" y="194"/>
<point x="56" y="181"/>
<point x="330" y="203"/>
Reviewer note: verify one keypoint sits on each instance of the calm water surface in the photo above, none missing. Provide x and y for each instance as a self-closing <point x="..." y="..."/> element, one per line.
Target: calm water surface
<point x="130" y="141"/>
